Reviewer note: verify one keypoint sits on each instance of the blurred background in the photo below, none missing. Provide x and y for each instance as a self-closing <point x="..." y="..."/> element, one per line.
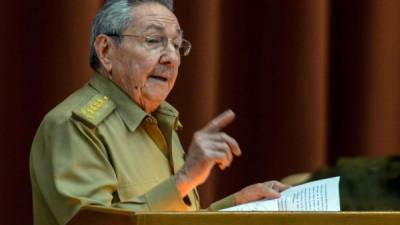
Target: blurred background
<point x="310" y="81"/>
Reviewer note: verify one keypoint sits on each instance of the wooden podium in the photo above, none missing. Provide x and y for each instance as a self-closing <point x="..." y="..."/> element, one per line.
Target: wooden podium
<point x="92" y="215"/>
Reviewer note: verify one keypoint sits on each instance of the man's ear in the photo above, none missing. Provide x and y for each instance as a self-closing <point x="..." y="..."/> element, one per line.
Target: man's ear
<point x="104" y="49"/>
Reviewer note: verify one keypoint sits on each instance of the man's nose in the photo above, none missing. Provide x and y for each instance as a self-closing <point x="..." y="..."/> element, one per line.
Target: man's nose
<point x="170" y="55"/>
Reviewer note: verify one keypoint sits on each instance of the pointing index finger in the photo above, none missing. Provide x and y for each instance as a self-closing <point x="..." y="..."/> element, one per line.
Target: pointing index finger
<point x="220" y="122"/>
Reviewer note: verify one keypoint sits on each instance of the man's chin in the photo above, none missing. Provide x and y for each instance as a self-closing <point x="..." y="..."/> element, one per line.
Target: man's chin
<point x="152" y="102"/>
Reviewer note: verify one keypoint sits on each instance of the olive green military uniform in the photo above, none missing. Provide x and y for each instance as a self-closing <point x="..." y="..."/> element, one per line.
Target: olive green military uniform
<point x="99" y="148"/>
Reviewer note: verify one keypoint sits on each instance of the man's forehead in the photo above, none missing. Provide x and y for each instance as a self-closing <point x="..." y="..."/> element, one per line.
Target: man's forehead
<point x="165" y="19"/>
<point x="156" y="22"/>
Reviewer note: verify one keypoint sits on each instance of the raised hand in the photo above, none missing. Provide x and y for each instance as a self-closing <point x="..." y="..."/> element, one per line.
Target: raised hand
<point x="209" y="146"/>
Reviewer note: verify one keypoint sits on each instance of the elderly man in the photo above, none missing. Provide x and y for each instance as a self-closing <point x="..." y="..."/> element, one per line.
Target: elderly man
<point x="113" y="142"/>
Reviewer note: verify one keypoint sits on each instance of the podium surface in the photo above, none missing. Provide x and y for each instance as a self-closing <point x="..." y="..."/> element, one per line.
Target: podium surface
<point x="92" y="215"/>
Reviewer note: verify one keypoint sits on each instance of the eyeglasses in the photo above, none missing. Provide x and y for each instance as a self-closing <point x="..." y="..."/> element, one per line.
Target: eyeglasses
<point x="159" y="42"/>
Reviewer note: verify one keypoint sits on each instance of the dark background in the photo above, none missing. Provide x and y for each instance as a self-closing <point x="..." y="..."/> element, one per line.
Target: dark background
<point x="310" y="81"/>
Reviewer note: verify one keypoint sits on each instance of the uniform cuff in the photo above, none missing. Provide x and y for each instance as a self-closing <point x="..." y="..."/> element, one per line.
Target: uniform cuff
<point x="165" y="197"/>
<point x="223" y="203"/>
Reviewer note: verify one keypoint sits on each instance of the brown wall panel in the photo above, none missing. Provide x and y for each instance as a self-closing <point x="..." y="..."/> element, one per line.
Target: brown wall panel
<point x="309" y="80"/>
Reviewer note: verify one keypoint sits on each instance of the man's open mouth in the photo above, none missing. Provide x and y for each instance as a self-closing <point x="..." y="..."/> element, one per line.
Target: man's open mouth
<point x="157" y="77"/>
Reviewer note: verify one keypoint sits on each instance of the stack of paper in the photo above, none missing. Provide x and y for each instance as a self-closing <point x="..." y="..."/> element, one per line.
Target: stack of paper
<point x="320" y="195"/>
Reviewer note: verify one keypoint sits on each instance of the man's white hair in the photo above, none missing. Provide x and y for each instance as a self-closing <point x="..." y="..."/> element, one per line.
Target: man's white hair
<point x="114" y="18"/>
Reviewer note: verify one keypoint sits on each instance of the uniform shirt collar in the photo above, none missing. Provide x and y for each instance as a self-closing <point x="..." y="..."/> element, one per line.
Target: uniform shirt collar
<point x="130" y="112"/>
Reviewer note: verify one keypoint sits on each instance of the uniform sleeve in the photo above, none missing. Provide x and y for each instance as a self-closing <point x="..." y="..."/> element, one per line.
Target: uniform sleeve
<point x="72" y="168"/>
<point x="226" y="202"/>
<point x="163" y="197"/>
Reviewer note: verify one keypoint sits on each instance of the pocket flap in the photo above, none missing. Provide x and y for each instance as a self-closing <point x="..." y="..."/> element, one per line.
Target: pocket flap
<point x="135" y="192"/>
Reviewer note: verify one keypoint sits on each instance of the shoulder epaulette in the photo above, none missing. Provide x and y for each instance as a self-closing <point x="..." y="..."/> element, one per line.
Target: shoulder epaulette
<point x="95" y="110"/>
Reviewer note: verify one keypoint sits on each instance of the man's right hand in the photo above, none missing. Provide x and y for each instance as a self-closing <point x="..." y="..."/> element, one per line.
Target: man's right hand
<point x="209" y="146"/>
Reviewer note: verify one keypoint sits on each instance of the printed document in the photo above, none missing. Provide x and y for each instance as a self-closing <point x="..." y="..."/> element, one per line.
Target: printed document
<point x="320" y="195"/>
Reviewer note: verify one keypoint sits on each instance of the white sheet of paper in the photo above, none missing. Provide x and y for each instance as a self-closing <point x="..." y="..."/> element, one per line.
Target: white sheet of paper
<point x="320" y="195"/>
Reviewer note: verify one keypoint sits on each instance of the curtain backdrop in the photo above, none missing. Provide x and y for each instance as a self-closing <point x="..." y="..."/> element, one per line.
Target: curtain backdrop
<point x="309" y="80"/>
